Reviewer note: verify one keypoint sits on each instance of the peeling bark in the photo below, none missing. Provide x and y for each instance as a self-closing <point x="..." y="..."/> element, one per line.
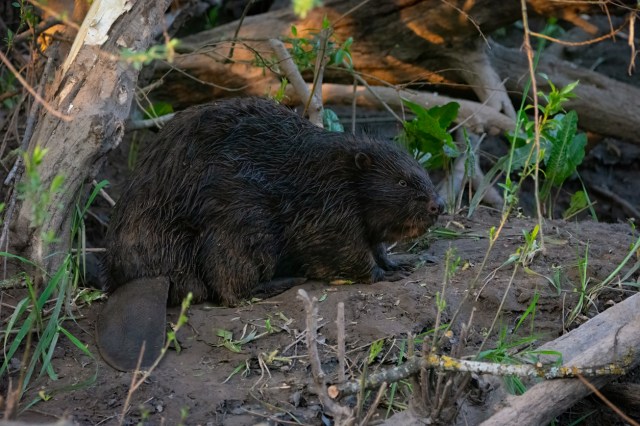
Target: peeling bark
<point x="95" y="89"/>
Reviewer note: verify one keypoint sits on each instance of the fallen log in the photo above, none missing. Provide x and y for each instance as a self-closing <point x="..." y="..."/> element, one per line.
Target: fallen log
<point x="401" y="43"/>
<point x="612" y="337"/>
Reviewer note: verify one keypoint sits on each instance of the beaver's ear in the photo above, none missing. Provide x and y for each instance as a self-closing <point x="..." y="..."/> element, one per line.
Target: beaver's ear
<point x="363" y="161"/>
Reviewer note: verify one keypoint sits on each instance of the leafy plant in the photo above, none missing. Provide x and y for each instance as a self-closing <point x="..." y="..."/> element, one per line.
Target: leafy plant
<point x="582" y="289"/>
<point x="579" y="202"/>
<point x="561" y="146"/>
<point x="304" y="51"/>
<point x="374" y="350"/>
<point x="235" y="345"/>
<point x="32" y="190"/>
<point x="517" y="350"/>
<point x="426" y="136"/>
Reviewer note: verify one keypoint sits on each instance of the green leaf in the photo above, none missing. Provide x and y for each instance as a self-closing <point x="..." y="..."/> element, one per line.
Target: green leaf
<point x="579" y="202"/>
<point x="426" y="135"/>
<point x="445" y="114"/>
<point x="375" y="349"/>
<point x="331" y="121"/>
<point x="56" y="184"/>
<point x="232" y="347"/>
<point x="566" y="152"/>
<point x="225" y="334"/>
<point x="302" y="7"/>
<point x="158" y="109"/>
<point x="325" y="22"/>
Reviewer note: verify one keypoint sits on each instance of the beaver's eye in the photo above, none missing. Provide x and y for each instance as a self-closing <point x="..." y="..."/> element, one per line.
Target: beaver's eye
<point x="402" y="183"/>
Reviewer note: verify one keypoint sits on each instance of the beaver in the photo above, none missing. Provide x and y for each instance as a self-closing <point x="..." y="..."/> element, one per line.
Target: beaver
<point x="237" y="196"/>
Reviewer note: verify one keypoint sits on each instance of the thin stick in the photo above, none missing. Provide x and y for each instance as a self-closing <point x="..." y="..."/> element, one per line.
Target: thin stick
<point x="104" y="194"/>
<point x="536" y="114"/>
<point x="374" y="406"/>
<point x="608" y="403"/>
<point x="151" y="122"/>
<point x="341" y="343"/>
<point x="134" y="384"/>
<point x="42" y="27"/>
<point x="33" y="93"/>
<point x="240" y="22"/>
<point x="293" y="74"/>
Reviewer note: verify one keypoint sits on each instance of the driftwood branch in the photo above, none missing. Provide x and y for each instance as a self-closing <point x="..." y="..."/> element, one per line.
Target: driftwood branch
<point x="292" y="73"/>
<point x="476" y="69"/>
<point x="445" y="363"/>
<point x="612" y="337"/>
<point x="480" y="118"/>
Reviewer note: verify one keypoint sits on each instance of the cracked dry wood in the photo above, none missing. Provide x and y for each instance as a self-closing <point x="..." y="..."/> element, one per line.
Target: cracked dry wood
<point x="610" y="337"/>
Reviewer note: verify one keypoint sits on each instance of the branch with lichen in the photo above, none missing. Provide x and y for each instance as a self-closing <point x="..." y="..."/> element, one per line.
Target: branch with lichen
<point x="416" y="363"/>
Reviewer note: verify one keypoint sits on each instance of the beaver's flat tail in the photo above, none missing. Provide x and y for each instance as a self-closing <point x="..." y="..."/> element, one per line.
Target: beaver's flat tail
<point x="135" y="313"/>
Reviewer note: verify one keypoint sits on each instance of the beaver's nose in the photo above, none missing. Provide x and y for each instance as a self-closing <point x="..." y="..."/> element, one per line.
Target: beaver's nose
<point x="436" y="206"/>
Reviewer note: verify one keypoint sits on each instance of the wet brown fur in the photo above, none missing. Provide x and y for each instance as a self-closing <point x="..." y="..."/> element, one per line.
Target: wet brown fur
<point x="240" y="192"/>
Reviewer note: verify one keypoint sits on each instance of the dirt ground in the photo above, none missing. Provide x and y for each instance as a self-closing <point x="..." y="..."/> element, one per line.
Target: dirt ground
<point x="197" y="385"/>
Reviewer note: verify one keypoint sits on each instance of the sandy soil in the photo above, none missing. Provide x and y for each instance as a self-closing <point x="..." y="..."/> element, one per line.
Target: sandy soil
<point x="190" y="385"/>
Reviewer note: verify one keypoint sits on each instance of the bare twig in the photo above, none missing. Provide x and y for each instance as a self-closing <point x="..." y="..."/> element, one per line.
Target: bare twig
<point x="608" y="403"/>
<point x="581" y="43"/>
<point x="377" y="96"/>
<point x="144" y="375"/>
<point x="104" y="194"/>
<point x="415" y="364"/>
<point x="341" y="343"/>
<point x="240" y="22"/>
<point x="55" y="13"/>
<point x="151" y="122"/>
<point x="135" y="384"/>
<point x="315" y="101"/>
<point x="342" y="415"/>
<point x="536" y="114"/>
<point x="299" y="85"/>
<point x="374" y="407"/>
<point x="30" y="89"/>
<point x="632" y="45"/>
<point x="42" y="27"/>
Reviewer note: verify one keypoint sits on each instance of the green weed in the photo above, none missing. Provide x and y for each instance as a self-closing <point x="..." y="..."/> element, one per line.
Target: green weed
<point x="36" y="323"/>
<point x="515" y="351"/>
<point x="164" y="51"/>
<point x="426" y="136"/>
<point x="304" y="51"/>
<point x="235" y="345"/>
